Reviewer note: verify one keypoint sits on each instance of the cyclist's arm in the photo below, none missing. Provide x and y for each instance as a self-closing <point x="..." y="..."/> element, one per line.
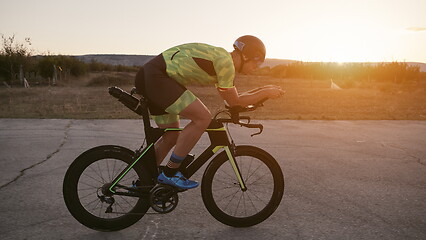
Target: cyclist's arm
<point x="260" y="88"/>
<point x="231" y="96"/>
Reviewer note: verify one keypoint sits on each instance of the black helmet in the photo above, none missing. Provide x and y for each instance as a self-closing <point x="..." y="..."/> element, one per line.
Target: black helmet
<point x="251" y="47"/>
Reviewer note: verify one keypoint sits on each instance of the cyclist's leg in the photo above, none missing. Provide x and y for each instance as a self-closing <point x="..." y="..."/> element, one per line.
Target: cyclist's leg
<point x="166" y="96"/>
<point x="190" y="107"/>
<point x="168" y="140"/>
<point x="200" y="118"/>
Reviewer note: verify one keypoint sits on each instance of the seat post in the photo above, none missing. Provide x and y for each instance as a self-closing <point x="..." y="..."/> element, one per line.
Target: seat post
<point x="145" y="113"/>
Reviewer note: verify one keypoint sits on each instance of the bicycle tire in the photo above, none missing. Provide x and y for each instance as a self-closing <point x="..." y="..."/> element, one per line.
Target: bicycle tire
<point x="252" y="162"/>
<point x="83" y="172"/>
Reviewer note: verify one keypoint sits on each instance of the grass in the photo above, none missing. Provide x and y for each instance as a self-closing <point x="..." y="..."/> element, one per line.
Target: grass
<point x="305" y="99"/>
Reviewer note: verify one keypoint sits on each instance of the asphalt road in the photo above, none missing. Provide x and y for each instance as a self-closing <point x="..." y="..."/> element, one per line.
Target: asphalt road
<point x="344" y="180"/>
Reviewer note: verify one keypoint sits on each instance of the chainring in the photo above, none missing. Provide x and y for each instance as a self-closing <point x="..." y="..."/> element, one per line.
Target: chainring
<point x="163" y="198"/>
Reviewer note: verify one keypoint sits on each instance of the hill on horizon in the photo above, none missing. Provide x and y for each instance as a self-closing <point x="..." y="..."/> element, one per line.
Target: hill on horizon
<point x="140" y="60"/>
<point x="116" y="59"/>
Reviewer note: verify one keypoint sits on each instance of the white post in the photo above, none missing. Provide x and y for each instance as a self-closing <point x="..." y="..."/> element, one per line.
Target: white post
<point x="26" y="84"/>
<point x="21" y="75"/>
<point x="55" y="75"/>
<point x="334" y="86"/>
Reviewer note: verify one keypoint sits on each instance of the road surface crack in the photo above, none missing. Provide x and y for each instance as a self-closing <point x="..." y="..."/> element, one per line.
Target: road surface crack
<point x="22" y="172"/>
<point x="409" y="154"/>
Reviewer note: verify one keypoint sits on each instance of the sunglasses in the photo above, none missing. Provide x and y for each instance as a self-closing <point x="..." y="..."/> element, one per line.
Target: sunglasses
<point x="257" y="60"/>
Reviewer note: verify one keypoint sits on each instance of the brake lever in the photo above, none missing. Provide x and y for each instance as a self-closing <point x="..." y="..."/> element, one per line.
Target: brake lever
<point x="259" y="126"/>
<point x="246" y="118"/>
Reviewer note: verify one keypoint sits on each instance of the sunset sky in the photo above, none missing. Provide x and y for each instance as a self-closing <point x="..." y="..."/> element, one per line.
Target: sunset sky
<point x="306" y="30"/>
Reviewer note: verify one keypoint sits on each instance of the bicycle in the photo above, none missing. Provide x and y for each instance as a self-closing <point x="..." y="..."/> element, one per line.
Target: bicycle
<point x="109" y="188"/>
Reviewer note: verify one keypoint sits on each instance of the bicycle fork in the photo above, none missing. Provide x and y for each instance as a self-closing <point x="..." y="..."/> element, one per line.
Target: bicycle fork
<point x="233" y="164"/>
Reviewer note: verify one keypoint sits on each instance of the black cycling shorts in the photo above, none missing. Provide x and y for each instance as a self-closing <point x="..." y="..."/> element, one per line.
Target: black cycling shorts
<point x="166" y="97"/>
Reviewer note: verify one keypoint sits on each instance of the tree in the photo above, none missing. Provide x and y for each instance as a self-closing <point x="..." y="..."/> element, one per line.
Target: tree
<point x="45" y="66"/>
<point x="14" y="56"/>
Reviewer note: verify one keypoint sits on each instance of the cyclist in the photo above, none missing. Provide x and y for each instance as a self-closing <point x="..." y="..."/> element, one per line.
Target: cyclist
<point x="163" y="79"/>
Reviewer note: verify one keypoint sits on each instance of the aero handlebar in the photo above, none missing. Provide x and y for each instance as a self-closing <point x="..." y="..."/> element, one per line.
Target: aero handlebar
<point x="236" y="118"/>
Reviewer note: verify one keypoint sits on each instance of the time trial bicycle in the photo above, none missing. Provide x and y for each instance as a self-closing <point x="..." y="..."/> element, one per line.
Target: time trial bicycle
<point x="109" y="188"/>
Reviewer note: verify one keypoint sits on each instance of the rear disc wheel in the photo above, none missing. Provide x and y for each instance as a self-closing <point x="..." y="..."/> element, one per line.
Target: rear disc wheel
<point x="86" y="189"/>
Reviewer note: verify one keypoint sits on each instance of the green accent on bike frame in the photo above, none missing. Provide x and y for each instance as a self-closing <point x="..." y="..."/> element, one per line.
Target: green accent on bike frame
<point x="128" y="169"/>
<point x="216" y="130"/>
<point x="233" y="164"/>
<point x="173" y="129"/>
<point x="217" y="148"/>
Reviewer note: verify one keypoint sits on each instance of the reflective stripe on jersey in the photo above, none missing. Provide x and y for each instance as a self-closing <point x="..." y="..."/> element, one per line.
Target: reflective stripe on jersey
<point x="182" y="67"/>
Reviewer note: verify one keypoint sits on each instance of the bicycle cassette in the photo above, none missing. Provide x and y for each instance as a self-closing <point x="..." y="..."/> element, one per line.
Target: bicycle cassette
<point x="163" y="198"/>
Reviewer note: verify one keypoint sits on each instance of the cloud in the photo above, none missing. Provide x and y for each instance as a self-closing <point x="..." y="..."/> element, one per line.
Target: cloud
<point x="416" y="29"/>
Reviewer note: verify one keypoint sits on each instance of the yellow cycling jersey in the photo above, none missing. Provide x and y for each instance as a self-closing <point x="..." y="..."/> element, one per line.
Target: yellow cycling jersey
<point x="200" y="63"/>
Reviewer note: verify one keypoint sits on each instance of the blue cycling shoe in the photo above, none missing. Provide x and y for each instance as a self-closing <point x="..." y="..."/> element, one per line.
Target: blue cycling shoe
<point x="178" y="180"/>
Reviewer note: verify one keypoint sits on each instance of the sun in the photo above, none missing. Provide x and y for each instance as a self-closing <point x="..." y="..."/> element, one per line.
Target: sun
<point x="339" y="44"/>
<point x="343" y="40"/>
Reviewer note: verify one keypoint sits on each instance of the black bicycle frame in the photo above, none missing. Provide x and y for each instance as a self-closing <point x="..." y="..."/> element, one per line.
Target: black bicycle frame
<point x="146" y="157"/>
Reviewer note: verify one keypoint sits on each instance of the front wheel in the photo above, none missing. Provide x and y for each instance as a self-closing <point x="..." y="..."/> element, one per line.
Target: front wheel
<point x="223" y="196"/>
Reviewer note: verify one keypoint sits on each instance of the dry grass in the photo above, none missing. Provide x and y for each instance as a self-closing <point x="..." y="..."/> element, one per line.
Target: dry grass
<point x="305" y="99"/>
